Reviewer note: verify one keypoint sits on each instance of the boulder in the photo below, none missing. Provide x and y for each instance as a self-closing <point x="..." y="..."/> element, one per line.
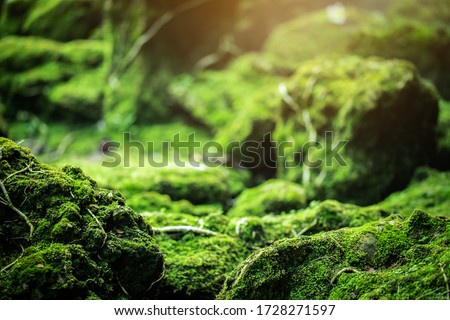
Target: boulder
<point x="390" y="259"/>
<point x="52" y="19"/>
<point x="52" y="79"/>
<point x="64" y="237"/>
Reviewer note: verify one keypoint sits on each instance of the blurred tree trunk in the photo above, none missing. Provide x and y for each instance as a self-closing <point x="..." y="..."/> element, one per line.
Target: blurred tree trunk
<point x="128" y="26"/>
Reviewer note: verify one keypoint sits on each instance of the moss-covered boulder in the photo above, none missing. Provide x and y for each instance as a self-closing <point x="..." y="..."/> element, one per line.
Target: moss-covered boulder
<point x="63" y="237"/>
<point x="391" y="259"/>
<point x="52" y="79"/>
<point x="273" y="196"/>
<point x="347" y="128"/>
<point x="207" y="186"/>
<point x="314" y="34"/>
<point x="427" y="45"/>
<point x="374" y="121"/>
<point x="52" y="19"/>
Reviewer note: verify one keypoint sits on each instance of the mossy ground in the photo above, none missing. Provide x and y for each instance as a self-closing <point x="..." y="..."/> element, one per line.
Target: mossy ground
<point x="391" y="259"/>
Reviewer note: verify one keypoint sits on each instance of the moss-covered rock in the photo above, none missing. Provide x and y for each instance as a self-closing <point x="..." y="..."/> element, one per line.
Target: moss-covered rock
<point x="273" y="196"/>
<point x="391" y="259"/>
<point x="50" y="78"/>
<point x="429" y="190"/>
<point x="78" y="241"/>
<point x="199" y="187"/>
<point x="314" y="34"/>
<point x="427" y="45"/>
<point x="348" y="103"/>
<point x="52" y="19"/>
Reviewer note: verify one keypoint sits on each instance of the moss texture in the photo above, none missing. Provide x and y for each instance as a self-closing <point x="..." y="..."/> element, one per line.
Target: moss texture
<point x="429" y="190"/>
<point x="390" y="259"/>
<point x="86" y="243"/>
<point x="314" y="34"/>
<point x="43" y="76"/>
<point x="273" y="196"/>
<point x="53" y="19"/>
<point x="387" y="94"/>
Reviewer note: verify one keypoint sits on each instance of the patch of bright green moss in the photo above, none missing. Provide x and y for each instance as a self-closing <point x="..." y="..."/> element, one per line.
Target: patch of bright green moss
<point x="53" y="19"/>
<point x="273" y="196"/>
<point x="31" y="67"/>
<point x="196" y="266"/>
<point x="390" y="259"/>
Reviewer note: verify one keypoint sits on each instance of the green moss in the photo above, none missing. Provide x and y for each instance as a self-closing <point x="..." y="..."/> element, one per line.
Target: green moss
<point x="196" y="266"/>
<point x="31" y="67"/>
<point x="214" y="97"/>
<point x="427" y="45"/>
<point x="75" y="222"/>
<point x="357" y="112"/>
<point x="314" y="34"/>
<point x="391" y="259"/>
<point x="273" y="196"/>
<point x="429" y="190"/>
<point x="53" y="19"/>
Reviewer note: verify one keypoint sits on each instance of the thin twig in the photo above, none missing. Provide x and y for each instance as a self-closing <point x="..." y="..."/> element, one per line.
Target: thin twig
<point x="11" y="264"/>
<point x="184" y="229"/>
<point x="100" y="225"/>
<point x="157" y="280"/>
<point x="7" y="202"/>
<point x="446" y="281"/>
<point x="155" y="28"/>
<point x="312" y="225"/>
<point x="342" y="271"/>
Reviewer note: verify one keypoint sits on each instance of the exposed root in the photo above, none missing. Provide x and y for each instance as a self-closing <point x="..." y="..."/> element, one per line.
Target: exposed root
<point x="12" y="263"/>
<point x="121" y="287"/>
<point x="185" y="229"/>
<point x="446" y="281"/>
<point x="7" y="202"/>
<point x="312" y="225"/>
<point x="157" y="280"/>
<point x="352" y="270"/>
<point x="100" y="226"/>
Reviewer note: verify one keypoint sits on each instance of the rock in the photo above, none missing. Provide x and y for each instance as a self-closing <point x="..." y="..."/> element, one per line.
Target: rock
<point x="427" y="45"/>
<point x="378" y="116"/>
<point x="346" y="128"/>
<point x="391" y="259"/>
<point x="273" y="196"/>
<point x="65" y="80"/>
<point x="315" y="34"/>
<point x="86" y="242"/>
<point x="52" y="19"/>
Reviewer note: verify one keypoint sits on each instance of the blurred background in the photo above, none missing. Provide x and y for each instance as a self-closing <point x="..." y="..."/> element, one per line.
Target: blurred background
<point x="77" y="74"/>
